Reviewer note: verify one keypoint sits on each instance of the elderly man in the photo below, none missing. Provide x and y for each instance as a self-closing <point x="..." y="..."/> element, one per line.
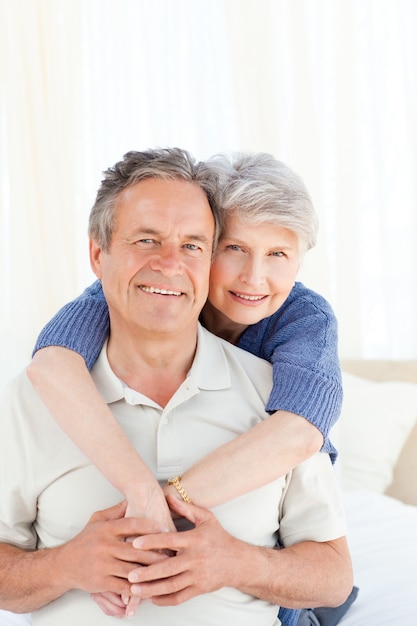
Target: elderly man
<point x="173" y="387"/>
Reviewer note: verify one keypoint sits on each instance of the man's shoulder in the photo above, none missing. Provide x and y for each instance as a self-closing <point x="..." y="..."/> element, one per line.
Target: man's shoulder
<point x="19" y="403"/>
<point x="245" y="358"/>
<point x="230" y="368"/>
<point x="17" y="384"/>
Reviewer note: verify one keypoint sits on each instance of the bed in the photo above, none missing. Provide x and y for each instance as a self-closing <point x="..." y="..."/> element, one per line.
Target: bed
<point x="377" y="469"/>
<point x="377" y="439"/>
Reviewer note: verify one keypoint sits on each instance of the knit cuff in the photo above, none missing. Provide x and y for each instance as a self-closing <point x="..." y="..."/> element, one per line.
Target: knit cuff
<point x="309" y="394"/>
<point x="81" y="325"/>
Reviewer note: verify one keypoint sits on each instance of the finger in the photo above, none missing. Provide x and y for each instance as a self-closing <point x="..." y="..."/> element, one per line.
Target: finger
<point x="165" y="588"/>
<point x="162" y="542"/>
<point x="173" y="599"/>
<point x="110" y="603"/>
<point x="149" y="557"/>
<point x="125" y="552"/>
<point x="114" y="598"/>
<point x="132" y="606"/>
<point x="127" y="528"/>
<point x="113" y="513"/>
<point x="158" y="571"/>
<point x="172" y="542"/>
<point x="195" y="514"/>
<point x="110" y="571"/>
<point x="112" y="584"/>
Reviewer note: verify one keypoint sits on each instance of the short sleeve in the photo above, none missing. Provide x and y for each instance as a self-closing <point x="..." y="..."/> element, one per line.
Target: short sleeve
<point x="311" y="508"/>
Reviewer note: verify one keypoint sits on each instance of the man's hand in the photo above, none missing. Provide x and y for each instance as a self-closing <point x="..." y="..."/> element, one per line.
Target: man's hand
<point x="205" y="560"/>
<point x="208" y="558"/>
<point x="99" y="558"/>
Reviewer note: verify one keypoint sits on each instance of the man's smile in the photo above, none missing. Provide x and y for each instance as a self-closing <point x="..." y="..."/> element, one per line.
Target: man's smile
<point x="162" y="292"/>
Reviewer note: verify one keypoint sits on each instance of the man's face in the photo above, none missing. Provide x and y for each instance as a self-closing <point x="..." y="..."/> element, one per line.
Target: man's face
<point x="155" y="274"/>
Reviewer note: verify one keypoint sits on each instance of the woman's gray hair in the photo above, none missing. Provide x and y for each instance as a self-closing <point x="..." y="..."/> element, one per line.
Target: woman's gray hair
<point x="258" y="188"/>
<point x="162" y="163"/>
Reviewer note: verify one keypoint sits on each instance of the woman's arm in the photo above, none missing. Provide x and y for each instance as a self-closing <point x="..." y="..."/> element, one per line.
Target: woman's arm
<point x="63" y="382"/>
<point x="81" y="327"/>
<point x="269" y="449"/>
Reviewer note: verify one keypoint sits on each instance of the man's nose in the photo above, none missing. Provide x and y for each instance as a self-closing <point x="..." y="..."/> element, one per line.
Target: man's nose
<point x="167" y="260"/>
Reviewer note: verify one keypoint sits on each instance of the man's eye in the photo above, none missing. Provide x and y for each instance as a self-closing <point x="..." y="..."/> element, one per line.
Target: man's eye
<point x="191" y="246"/>
<point x="145" y="241"/>
<point x="233" y="246"/>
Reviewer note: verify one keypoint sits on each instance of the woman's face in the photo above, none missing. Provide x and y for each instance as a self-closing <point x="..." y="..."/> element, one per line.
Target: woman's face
<point x="254" y="270"/>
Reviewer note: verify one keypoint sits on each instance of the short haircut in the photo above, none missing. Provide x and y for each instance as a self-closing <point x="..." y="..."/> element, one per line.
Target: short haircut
<point x="258" y="188"/>
<point x="162" y="163"/>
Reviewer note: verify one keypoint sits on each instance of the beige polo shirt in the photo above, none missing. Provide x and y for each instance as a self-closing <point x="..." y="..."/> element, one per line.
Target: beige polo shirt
<point x="49" y="489"/>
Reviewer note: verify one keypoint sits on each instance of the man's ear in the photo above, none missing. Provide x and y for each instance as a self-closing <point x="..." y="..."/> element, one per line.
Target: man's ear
<point x="95" y="258"/>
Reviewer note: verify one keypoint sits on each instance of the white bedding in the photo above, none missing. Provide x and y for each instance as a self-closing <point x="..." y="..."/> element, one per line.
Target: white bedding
<point x="382" y="535"/>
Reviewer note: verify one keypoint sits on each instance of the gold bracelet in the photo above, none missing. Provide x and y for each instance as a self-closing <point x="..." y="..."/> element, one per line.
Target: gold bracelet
<point x="177" y="484"/>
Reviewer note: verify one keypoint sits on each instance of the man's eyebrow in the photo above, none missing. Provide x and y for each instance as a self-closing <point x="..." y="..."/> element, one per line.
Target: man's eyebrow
<point x="199" y="237"/>
<point x="148" y="230"/>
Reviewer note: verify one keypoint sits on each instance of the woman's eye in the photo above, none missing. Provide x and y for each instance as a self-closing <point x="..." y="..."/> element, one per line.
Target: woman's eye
<point x="233" y="246"/>
<point x="278" y="253"/>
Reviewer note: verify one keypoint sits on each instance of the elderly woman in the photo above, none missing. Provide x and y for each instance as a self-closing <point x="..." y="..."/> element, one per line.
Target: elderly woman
<point x="268" y="223"/>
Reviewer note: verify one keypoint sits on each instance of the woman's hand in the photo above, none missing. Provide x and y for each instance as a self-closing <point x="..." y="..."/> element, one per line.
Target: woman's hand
<point x="150" y="503"/>
<point x="156" y="509"/>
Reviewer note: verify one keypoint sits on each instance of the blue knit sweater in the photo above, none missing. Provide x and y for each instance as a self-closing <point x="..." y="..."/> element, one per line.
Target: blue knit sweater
<point x="300" y="340"/>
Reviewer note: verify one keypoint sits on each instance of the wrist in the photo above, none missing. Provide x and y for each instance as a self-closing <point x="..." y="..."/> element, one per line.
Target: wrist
<point x="143" y="493"/>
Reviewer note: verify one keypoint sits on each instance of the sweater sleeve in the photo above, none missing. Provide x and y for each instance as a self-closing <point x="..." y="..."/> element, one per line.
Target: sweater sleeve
<point x="288" y="617"/>
<point x="301" y="342"/>
<point x="81" y="325"/>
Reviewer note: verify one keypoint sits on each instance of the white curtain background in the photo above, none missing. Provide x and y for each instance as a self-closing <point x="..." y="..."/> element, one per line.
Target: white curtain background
<point x="329" y="87"/>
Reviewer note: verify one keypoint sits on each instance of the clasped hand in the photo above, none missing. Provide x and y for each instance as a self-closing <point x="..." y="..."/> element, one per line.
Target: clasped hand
<point x="174" y="567"/>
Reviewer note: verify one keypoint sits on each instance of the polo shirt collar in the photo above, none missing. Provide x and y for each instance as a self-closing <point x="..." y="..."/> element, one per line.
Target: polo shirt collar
<point x="209" y="370"/>
<point x="109" y="386"/>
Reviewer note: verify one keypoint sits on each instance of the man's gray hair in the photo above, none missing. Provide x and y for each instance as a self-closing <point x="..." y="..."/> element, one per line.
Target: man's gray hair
<point x="258" y="188"/>
<point x="162" y="163"/>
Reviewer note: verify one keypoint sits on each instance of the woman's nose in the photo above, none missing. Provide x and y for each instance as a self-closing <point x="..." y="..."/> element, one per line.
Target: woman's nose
<point x="253" y="272"/>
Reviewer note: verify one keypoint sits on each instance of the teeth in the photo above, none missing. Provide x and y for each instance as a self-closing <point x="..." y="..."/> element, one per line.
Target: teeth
<point x="243" y="297"/>
<point x="163" y="292"/>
